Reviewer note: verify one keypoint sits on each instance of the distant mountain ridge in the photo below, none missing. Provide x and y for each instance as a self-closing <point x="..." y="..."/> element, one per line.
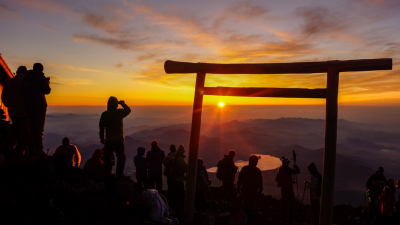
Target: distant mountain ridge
<point x="361" y="147"/>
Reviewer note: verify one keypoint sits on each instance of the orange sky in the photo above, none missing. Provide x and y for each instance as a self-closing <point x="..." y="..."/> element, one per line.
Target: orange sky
<point x="92" y="50"/>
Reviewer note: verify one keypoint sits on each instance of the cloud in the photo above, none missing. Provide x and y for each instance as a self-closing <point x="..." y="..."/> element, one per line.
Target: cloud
<point x="57" y="80"/>
<point x="247" y="10"/>
<point x="4" y="7"/>
<point x="114" y="42"/>
<point x="119" y="65"/>
<point x="321" y="20"/>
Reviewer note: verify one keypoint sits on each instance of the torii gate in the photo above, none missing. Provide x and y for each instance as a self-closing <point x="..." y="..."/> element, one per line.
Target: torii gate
<point x="330" y="93"/>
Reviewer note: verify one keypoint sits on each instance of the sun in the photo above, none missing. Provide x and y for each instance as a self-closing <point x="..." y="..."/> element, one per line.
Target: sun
<point x="221" y="104"/>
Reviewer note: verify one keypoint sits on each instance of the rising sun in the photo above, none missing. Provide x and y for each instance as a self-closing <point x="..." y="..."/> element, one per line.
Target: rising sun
<point x="221" y="104"/>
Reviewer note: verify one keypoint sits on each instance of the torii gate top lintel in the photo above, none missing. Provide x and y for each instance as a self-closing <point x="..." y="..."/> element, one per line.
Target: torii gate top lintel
<point x="332" y="68"/>
<point x="279" y="68"/>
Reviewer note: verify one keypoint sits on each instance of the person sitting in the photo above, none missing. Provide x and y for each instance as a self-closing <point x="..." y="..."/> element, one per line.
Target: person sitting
<point x="94" y="166"/>
<point x="68" y="154"/>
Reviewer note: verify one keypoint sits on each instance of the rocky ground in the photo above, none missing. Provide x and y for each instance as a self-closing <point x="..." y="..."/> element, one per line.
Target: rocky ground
<point x="33" y="193"/>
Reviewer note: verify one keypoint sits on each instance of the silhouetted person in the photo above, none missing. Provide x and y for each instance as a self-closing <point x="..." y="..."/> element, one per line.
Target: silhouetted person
<point x="154" y="159"/>
<point x="387" y="206"/>
<point x="36" y="86"/>
<point x="112" y="121"/>
<point x="95" y="163"/>
<point x="141" y="168"/>
<point x="397" y="195"/>
<point x="172" y="150"/>
<point x="226" y="171"/>
<point x="14" y="99"/>
<point x="94" y="167"/>
<point x="202" y="182"/>
<point x="314" y="184"/>
<point x="250" y="185"/>
<point x="177" y="167"/>
<point x="285" y="182"/>
<point x="379" y="177"/>
<point x="69" y="153"/>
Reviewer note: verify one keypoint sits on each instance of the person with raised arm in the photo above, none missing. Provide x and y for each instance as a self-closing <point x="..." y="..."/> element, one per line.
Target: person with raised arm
<point x="112" y="122"/>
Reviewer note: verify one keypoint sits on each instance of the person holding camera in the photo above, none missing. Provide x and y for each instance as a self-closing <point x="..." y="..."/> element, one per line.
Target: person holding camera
<point x="112" y="121"/>
<point x="36" y="86"/>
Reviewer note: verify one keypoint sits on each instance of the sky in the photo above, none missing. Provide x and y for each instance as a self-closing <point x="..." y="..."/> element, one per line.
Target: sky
<point x="96" y="48"/>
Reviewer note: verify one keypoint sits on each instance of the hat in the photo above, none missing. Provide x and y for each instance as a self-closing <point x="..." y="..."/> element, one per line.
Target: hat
<point x="285" y="160"/>
<point x="380" y="169"/>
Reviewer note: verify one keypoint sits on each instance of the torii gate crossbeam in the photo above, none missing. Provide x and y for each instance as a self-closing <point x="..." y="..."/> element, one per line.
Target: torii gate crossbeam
<point x="332" y="68"/>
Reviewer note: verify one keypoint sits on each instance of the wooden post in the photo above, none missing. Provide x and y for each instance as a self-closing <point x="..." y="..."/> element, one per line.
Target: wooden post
<point x="194" y="147"/>
<point x="328" y="177"/>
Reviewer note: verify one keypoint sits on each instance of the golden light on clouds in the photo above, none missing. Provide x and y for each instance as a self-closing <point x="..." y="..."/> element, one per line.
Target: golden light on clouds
<point x="121" y="50"/>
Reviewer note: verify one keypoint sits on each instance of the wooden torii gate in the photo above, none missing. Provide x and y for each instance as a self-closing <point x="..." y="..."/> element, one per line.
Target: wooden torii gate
<point x="330" y="93"/>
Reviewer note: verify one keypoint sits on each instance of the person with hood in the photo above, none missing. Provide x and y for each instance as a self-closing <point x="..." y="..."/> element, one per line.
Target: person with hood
<point x="202" y="181"/>
<point x="95" y="163"/>
<point x="69" y="153"/>
<point x="175" y="169"/>
<point x="285" y="182"/>
<point x="36" y="86"/>
<point x="314" y="184"/>
<point x="379" y="177"/>
<point x="154" y="160"/>
<point x="226" y="172"/>
<point x="141" y="168"/>
<point x="172" y="150"/>
<point x="250" y="185"/>
<point x="13" y="98"/>
<point x="112" y="121"/>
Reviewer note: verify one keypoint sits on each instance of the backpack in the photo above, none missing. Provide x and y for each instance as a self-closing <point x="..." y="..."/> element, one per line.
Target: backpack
<point x="170" y="166"/>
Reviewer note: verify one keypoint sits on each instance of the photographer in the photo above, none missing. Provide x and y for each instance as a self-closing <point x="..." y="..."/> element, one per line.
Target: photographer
<point x="112" y="121"/>
<point x="36" y="86"/>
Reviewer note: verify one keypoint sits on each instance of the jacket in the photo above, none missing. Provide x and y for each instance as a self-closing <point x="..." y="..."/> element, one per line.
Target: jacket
<point x="13" y="96"/>
<point x="228" y="168"/>
<point x="154" y="159"/>
<point x="178" y="163"/>
<point x="141" y="165"/>
<point x="35" y="86"/>
<point x="69" y="151"/>
<point x="250" y="179"/>
<point x="284" y="177"/>
<point x="111" y="121"/>
<point x="94" y="163"/>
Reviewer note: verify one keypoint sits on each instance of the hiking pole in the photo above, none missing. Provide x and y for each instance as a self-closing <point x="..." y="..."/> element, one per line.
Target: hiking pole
<point x="295" y="175"/>
<point x="304" y="192"/>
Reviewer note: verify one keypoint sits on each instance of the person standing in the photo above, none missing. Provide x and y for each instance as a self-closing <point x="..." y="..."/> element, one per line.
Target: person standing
<point x="226" y="172"/>
<point x="36" y="86"/>
<point x="154" y="159"/>
<point x="202" y="181"/>
<point x="13" y="98"/>
<point x="397" y="195"/>
<point x="285" y="182"/>
<point x="141" y="168"/>
<point x="176" y="167"/>
<point x="250" y="185"/>
<point x="172" y="150"/>
<point x="112" y="121"/>
<point x="314" y="184"/>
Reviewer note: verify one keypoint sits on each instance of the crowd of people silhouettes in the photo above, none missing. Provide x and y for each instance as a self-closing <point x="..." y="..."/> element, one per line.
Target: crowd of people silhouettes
<point x="24" y="95"/>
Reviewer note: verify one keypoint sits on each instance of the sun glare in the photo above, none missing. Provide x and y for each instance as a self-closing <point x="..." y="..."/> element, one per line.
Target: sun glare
<point x="221" y="104"/>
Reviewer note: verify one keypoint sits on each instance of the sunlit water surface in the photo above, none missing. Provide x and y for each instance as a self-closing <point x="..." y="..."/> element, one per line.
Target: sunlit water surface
<point x="265" y="162"/>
